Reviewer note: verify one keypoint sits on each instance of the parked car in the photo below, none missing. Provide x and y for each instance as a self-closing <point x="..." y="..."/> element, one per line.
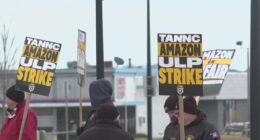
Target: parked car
<point x="237" y="127"/>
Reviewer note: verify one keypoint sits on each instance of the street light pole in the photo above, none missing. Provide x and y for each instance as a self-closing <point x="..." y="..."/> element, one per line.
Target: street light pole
<point x="99" y="40"/>
<point x="254" y="71"/>
<point x="149" y="78"/>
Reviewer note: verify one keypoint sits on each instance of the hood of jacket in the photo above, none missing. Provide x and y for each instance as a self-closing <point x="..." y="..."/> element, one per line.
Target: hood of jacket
<point x="201" y="116"/>
<point x="100" y="91"/>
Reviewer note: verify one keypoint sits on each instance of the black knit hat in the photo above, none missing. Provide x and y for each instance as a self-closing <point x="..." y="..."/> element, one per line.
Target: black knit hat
<point x="107" y="111"/>
<point x="171" y="103"/>
<point x="15" y="95"/>
<point x="190" y="105"/>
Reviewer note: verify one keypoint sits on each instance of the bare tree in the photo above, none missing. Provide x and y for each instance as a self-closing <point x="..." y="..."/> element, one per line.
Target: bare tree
<point x="7" y="60"/>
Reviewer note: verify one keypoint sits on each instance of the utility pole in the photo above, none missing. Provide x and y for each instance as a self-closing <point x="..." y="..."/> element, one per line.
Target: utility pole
<point x="149" y="77"/>
<point x="254" y="71"/>
<point x="99" y="40"/>
<point x="248" y="76"/>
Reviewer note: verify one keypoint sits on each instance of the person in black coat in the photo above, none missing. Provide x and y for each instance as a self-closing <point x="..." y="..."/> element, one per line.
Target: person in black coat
<point x="107" y="126"/>
<point x="100" y="92"/>
<point x="195" y="124"/>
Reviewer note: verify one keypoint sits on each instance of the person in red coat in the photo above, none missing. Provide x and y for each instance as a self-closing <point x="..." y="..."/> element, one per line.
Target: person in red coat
<point x="11" y="128"/>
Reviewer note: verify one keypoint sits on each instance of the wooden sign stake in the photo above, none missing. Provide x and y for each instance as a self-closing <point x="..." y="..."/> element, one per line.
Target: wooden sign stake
<point x="24" y="116"/>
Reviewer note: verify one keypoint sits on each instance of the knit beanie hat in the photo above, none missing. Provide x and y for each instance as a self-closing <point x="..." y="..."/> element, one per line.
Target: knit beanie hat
<point x="107" y="111"/>
<point x="171" y="103"/>
<point x="15" y="95"/>
<point x="190" y="105"/>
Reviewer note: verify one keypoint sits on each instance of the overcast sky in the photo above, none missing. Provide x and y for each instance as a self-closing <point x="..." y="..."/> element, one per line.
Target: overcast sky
<point x="221" y="23"/>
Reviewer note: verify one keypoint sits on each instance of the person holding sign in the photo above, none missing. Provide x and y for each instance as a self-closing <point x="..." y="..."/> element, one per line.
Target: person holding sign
<point x="107" y="125"/>
<point x="170" y="107"/>
<point x="196" y="126"/>
<point x="11" y="128"/>
<point x="100" y="92"/>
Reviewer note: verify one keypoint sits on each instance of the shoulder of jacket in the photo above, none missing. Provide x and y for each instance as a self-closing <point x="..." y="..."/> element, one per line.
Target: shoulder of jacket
<point x="30" y="111"/>
<point x="208" y="126"/>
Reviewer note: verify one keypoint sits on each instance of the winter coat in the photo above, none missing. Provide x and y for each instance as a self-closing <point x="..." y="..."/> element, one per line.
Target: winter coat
<point x="199" y="129"/>
<point x="105" y="130"/>
<point x="11" y="127"/>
